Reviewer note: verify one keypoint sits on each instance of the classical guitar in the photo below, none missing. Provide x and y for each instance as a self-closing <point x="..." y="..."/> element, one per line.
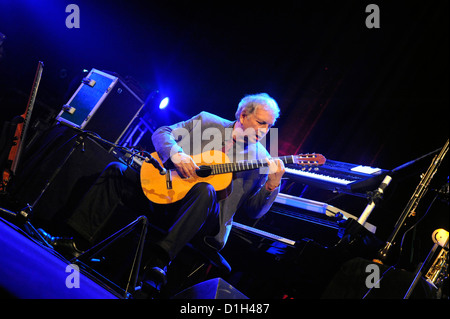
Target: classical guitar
<point x="21" y="131"/>
<point x="215" y="168"/>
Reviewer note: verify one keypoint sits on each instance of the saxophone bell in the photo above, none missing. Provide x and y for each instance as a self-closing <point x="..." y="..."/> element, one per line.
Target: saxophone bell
<point x="440" y="237"/>
<point x="438" y="271"/>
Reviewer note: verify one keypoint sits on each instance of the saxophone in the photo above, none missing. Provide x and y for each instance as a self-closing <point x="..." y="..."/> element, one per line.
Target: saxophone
<point x="438" y="271"/>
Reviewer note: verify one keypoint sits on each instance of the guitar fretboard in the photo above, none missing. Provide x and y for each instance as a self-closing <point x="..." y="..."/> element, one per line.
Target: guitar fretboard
<point x="246" y="165"/>
<point x="27" y="116"/>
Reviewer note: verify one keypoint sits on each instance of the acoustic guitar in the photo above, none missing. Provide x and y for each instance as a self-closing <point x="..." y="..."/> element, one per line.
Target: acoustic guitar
<point x="215" y="168"/>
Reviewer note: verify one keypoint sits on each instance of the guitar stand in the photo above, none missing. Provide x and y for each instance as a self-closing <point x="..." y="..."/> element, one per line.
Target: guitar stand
<point x="134" y="272"/>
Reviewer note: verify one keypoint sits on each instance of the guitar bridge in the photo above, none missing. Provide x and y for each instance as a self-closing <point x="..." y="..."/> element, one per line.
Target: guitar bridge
<point x="169" y="179"/>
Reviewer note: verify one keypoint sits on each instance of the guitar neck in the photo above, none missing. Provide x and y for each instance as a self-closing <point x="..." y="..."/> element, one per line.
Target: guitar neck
<point x="246" y="165"/>
<point x="27" y="115"/>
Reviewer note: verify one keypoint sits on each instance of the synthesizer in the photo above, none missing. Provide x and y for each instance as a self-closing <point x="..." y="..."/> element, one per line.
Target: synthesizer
<point x="335" y="175"/>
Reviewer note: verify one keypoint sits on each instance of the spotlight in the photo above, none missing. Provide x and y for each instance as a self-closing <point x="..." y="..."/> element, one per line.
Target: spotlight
<point x="164" y="102"/>
<point x="156" y="101"/>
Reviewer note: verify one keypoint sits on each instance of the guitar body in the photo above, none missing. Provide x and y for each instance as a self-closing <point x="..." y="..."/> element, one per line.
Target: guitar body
<point x="155" y="185"/>
<point x="215" y="169"/>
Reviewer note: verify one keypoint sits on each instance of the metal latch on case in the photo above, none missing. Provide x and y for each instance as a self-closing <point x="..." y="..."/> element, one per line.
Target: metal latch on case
<point x="89" y="82"/>
<point x="69" y="109"/>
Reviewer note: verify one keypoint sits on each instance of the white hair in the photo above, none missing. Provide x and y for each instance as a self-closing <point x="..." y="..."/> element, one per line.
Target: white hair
<point x="250" y="103"/>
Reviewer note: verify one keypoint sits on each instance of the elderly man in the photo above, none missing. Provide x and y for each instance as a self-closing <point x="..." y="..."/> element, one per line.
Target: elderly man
<point x="201" y="213"/>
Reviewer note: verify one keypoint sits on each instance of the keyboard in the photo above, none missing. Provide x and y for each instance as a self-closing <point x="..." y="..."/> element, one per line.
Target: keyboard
<point x="335" y="175"/>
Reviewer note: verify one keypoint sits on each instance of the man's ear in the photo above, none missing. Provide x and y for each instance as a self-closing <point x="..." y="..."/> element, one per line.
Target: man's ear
<point x="242" y="116"/>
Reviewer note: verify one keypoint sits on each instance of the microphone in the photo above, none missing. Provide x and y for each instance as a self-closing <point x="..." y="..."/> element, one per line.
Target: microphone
<point x="378" y="194"/>
<point x="156" y="164"/>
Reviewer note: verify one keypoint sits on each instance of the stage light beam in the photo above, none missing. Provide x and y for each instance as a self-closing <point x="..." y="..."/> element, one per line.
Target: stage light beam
<point x="164" y="102"/>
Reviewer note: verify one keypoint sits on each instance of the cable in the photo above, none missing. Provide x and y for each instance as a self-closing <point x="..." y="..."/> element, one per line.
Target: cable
<point x="412" y="227"/>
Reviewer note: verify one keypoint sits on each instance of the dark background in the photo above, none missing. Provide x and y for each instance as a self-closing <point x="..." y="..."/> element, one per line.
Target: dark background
<point x="376" y="97"/>
<point x="371" y="96"/>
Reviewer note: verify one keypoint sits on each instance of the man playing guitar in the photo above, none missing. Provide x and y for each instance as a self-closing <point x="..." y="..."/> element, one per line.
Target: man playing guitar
<point x="201" y="213"/>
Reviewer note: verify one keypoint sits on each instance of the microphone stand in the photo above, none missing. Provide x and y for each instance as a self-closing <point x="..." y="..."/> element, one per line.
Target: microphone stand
<point x="93" y="251"/>
<point x="148" y="158"/>
<point x="25" y="214"/>
<point x="23" y="217"/>
<point x="355" y="238"/>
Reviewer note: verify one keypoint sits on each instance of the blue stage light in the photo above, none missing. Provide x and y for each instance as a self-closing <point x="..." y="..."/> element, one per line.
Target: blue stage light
<point x="164" y="102"/>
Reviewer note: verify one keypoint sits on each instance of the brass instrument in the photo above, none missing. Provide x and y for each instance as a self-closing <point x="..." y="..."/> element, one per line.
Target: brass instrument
<point x="438" y="271"/>
<point x="411" y="207"/>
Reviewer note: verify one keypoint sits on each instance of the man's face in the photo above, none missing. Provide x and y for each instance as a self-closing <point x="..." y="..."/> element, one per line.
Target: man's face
<point x="256" y="125"/>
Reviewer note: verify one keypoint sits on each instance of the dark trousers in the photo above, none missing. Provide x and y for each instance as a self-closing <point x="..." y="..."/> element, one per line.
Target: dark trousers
<point x="196" y="214"/>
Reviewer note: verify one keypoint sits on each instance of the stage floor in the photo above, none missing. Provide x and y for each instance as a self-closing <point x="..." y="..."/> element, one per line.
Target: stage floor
<point x="29" y="270"/>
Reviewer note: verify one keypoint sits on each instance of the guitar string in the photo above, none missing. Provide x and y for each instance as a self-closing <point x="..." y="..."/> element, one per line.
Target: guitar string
<point x="239" y="166"/>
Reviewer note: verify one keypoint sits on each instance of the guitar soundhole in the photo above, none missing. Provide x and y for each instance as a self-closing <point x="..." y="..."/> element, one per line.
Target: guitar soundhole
<point x="204" y="171"/>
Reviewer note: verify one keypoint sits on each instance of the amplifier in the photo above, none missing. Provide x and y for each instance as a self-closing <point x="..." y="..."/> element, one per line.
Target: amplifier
<point x="102" y="104"/>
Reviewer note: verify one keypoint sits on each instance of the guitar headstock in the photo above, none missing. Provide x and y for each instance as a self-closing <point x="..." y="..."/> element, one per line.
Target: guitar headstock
<point x="309" y="159"/>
